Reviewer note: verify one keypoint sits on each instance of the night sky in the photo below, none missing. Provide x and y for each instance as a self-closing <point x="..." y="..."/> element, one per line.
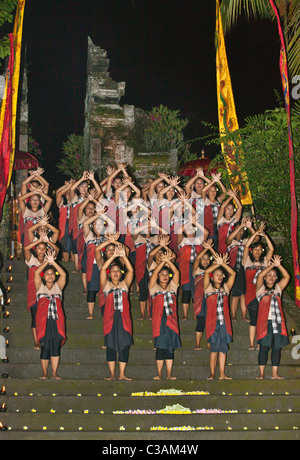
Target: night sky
<point x="163" y="50"/>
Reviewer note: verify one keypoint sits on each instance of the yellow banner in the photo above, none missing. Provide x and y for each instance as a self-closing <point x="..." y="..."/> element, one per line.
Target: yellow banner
<point x="227" y="116"/>
<point x="17" y="37"/>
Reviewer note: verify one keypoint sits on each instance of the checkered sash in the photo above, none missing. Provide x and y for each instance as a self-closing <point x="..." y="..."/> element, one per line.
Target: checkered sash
<point x="30" y="219"/>
<point x="118" y="298"/>
<point x="193" y="253"/>
<point x="168" y="300"/>
<point x="52" y="307"/>
<point x="258" y="270"/>
<point x="239" y="255"/>
<point x="220" y="302"/>
<point x="215" y="212"/>
<point x="275" y="310"/>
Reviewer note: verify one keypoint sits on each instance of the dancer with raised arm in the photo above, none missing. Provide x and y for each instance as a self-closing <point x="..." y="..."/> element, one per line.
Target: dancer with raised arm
<point x="117" y="322"/>
<point x="218" y="323"/>
<point x="271" y="325"/>
<point x="163" y="286"/>
<point x="50" y="318"/>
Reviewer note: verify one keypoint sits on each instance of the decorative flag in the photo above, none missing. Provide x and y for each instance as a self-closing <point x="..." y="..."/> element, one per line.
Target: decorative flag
<point x="5" y="127"/>
<point x="8" y="114"/>
<point x="294" y="210"/>
<point x="227" y="116"/>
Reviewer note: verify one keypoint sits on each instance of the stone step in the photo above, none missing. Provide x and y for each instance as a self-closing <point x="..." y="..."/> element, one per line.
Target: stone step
<point x="112" y="423"/>
<point x="109" y="404"/>
<point x="139" y="356"/>
<point x="136" y="389"/>
<point x="143" y="439"/>
<point x="144" y="371"/>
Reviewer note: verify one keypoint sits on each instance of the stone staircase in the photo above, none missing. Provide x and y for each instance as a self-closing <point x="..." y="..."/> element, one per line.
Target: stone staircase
<point x="84" y="406"/>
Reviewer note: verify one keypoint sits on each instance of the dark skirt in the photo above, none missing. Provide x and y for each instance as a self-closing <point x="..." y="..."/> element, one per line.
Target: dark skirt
<point x="94" y="283"/>
<point x="118" y="338"/>
<point x="51" y="342"/>
<point x="65" y="241"/>
<point x="239" y="287"/>
<point x="220" y="339"/>
<point x="33" y="311"/>
<point x="167" y="339"/>
<point x="84" y="260"/>
<point x="276" y="341"/>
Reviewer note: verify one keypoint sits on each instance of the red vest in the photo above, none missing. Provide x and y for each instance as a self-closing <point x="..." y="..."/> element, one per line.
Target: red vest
<point x="42" y="316"/>
<point x="184" y="262"/>
<point x="198" y="295"/>
<point x="157" y="313"/>
<point x="109" y="311"/>
<point x="263" y="314"/>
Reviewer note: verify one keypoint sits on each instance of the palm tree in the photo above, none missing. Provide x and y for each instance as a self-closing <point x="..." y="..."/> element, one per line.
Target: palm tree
<point x="289" y="11"/>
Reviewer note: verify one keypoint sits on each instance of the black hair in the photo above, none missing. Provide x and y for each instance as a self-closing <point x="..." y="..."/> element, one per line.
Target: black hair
<point x="255" y="245"/>
<point x="225" y="278"/>
<point x="210" y="261"/>
<point x="50" y="267"/>
<point x="33" y="250"/>
<point x="165" y="267"/>
<point x="77" y="189"/>
<point x="276" y="281"/>
<point x="117" y="263"/>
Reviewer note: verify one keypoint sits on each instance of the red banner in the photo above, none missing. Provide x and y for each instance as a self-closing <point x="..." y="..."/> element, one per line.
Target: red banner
<point x="5" y="128"/>
<point x="294" y="210"/>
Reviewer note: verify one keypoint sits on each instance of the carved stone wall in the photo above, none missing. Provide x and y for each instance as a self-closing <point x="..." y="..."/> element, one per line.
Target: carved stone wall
<point x="108" y="124"/>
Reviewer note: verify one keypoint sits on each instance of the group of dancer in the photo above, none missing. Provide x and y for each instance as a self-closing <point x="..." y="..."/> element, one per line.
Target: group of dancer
<point x="164" y="242"/>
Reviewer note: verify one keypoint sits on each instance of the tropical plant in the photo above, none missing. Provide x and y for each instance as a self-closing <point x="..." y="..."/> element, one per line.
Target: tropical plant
<point x="73" y="161"/>
<point x="263" y="144"/>
<point x="7" y="8"/>
<point x="289" y="12"/>
<point x="164" y="130"/>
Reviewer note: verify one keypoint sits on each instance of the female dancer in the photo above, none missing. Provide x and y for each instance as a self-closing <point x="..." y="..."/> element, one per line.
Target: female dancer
<point x="94" y="234"/>
<point x="227" y="218"/>
<point x="50" y="318"/>
<point x="218" y="324"/>
<point x="271" y="325"/>
<point x="202" y="262"/>
<point x="255" y="259"/>
<point x="63" y="203"/>
<point x="117" y="323"/>
<point x="163" y="286"/>
<point x="212" y="203"/>
<point x="78" y="192"/>
<point x="236" y="243"/>
<point x="32" y="207"/>
<point x="189" y="245"/>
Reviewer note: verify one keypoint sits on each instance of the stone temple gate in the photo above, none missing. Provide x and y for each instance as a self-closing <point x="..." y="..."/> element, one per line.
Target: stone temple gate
<point x="109" y="126"/>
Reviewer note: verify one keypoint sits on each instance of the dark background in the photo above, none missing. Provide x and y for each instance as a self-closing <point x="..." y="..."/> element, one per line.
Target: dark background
<point x="163" y="50"/>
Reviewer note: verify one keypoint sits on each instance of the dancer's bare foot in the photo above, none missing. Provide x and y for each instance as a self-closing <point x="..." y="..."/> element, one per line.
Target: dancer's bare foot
<point x="110" y="378"/>
<point x="141" y="318"/>
<point x="44" y="377"/>
<point x="260" y="377"/>
<point x="197" y="348"/>
<point x="90" y="317"/>
<point x="211" y="377"/>
<point x="55" y="377"/>
<point x="224" y="377"/>
<point x="36" y="347"/>
<point x="123" y="377"/>
<point x="277" y="377"/>
<point x="157" y="378"/>
<point x="171" y="378"/>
